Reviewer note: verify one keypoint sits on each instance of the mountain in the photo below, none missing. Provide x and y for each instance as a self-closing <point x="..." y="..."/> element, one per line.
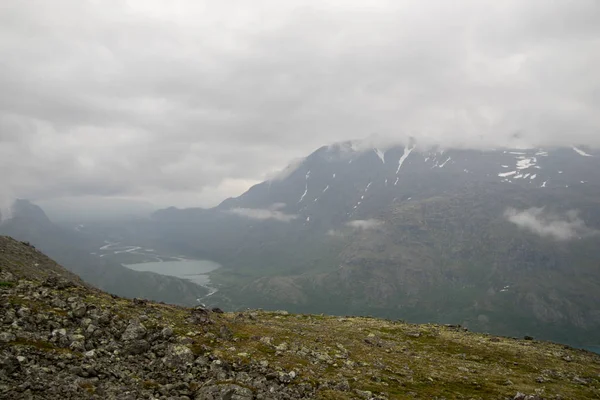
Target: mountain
<point x="72" y="248"/>
<point x="61" y="339"/>
<point x="501" y="240"/>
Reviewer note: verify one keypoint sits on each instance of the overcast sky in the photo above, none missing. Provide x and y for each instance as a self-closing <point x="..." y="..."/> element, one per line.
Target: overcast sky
<point x="188" y="102"/>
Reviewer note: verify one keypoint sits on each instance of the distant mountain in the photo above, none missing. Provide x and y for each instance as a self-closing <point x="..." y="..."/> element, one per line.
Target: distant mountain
<point x="72" y="248"/>
<point x="503" y="240"/>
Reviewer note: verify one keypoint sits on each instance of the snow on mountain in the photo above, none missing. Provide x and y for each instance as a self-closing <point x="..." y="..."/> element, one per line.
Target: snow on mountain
<point x="343" y="180"/>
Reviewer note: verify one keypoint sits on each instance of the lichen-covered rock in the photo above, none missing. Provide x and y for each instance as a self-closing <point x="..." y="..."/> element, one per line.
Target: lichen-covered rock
<point x="178" y="355"/>
<point x="134" y="331"/>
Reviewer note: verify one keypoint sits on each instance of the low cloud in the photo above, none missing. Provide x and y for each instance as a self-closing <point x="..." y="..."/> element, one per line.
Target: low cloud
<point x="365" y="224"/>
<point x="546" y="224"/>
<point x="334" y="233"/>
<point x="262" y="214"/>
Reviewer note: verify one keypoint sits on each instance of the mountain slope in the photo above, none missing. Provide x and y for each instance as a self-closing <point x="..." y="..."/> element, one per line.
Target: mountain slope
<point x="72" y="249"/>
<point x="500" y="240"/>
<point x="61" y="340"/>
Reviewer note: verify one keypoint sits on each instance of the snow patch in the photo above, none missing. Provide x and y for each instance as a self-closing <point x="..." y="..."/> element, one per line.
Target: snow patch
<point x="581" y="152"/>
<point x="505" y="174"/>
<point x="444" y="163"/>
<point x="303" y="194"/>
<point x="407" y="152"/>
<point x="380" y="154"/>
<point x="306" y="188"/>
<point x="525" y="163"/>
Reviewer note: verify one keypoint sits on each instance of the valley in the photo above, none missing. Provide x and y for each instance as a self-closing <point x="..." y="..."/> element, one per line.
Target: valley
<point x="500" y="241"/>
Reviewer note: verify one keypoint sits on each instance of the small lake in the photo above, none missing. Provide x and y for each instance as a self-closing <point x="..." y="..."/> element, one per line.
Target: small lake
<point x="192" y="270"/>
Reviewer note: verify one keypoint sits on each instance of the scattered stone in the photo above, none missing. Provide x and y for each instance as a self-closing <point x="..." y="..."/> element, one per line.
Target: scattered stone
<point x="225" y="333"/>
<point x="135" y="330"/>
<point x="140" y="302"/>
<point x="6" y="337"/>
<point x="167" y="332"/>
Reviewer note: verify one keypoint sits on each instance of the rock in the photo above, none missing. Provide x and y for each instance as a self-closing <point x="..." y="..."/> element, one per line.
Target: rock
<point x="77" y="346"/>
<point x="266" y="340"/>
<point x="79" y="310"/>
<point x="167" y="332"/>
<point x="6" y="337"/>
<point x="137" y="347"/>
<point x="199" y="315"/>
<point x="282" y="347"/>
<point x="178" y="355"/>
<point x="58" y="283"/>
<point x="24" y="312"/>
<point x="10" y="365"/>
<point x="528" y="337"/>
<point x="225" y="333"/>
<point x="224" y="392"/>
<point x="367" y="395"/>
<point x="134" y="331"/>
<point x="217" y="310"/>
<point x="287" y="378"/>
<point x="140" y="302"/>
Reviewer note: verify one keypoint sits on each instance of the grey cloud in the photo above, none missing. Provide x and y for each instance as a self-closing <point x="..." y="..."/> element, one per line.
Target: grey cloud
<point x="558" y="227"/>
<point x="365" y="224"/>
<point x="262" y="214"/>
<point x="188" y="105"/>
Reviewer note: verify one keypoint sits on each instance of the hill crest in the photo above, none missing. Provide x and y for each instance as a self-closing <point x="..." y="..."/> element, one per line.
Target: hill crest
<point x="70" y="341"/>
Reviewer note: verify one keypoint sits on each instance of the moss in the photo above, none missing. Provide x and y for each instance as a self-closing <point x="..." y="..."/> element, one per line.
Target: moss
<point x="38" y="344"/>
<point x="88" y="387"/>
<point x="4" y="284"/>
<point x="150" y="384"/>
<point x="333" y="395"/>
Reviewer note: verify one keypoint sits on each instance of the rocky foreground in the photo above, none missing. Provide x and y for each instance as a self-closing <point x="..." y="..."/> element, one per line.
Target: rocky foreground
<point x="62" y="339"/>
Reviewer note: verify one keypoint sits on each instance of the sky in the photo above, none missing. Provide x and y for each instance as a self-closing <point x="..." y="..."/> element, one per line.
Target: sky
<point x="187" y="103"/>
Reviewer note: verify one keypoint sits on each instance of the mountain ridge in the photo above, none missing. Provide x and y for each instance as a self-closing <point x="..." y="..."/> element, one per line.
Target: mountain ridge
<point x="412" y="232"/>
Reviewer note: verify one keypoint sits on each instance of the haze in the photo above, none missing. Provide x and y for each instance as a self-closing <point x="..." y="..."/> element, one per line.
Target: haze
<point x="188" y="102"/>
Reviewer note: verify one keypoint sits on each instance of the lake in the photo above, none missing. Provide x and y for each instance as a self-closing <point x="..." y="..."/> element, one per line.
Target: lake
<point x="192" y="270"/>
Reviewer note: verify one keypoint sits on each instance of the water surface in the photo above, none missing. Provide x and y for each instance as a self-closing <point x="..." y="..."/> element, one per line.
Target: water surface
<point x="193" y="270"/>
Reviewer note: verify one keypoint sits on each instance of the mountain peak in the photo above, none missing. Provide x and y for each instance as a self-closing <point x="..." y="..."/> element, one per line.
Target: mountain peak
<point x="24" y="209"/>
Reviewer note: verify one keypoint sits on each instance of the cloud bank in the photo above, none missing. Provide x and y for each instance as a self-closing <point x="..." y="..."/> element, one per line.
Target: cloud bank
<point x="262" y="214"/>
<point x="545" y="224"/>
<point x="190" y="102"/>
<point x="365" y="224"/>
